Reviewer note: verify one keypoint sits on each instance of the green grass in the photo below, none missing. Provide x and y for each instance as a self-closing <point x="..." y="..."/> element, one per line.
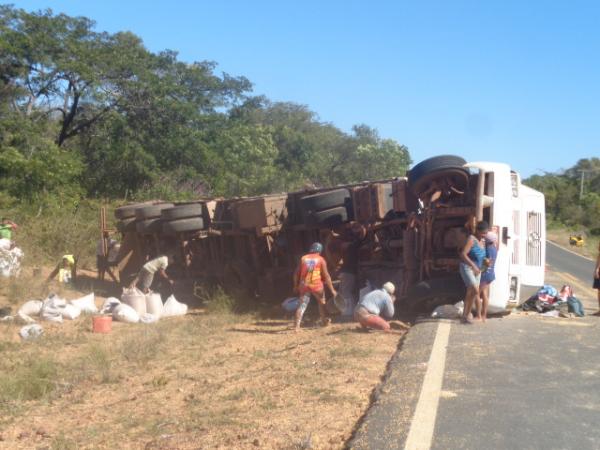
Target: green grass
<point x="142" y="346"/>
<point x="33" y="379"/>
<point x="98" y="364"/>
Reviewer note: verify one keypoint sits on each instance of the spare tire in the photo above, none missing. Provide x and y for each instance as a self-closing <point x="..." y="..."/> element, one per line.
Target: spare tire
<point x="325" y="200"/>
<point x="152" y="211"/>
<point x="128" y="211"/>
<point x="427" y="295"/>
<point x="329" y="217"/>
<point x="126" y="225"/>
<point x="430" y="169"/>
<point x="182" y="225"/>
<point x="149" y="226"/>
<point x="182" y="212"/>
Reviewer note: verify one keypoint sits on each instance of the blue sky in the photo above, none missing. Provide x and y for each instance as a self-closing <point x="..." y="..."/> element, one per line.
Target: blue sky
<point x="515" y="82"/>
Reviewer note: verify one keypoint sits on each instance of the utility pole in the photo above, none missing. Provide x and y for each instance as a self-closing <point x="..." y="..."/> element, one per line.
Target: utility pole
<point x="581" y="185"/>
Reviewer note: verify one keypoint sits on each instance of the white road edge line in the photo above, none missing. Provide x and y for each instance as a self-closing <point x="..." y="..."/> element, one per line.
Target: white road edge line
<point x="420" y="435"/>
<point x="568" y="250"/>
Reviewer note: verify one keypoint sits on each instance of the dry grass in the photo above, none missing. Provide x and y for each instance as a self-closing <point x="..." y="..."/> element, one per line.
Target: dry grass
<point x="215" y="380"/>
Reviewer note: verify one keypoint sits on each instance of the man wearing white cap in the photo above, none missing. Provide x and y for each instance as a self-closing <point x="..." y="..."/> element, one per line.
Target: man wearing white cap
<point x="375" y="307"/>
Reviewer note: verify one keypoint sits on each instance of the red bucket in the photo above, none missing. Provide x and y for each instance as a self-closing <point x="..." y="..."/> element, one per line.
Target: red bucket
<point x="101" y="324"/>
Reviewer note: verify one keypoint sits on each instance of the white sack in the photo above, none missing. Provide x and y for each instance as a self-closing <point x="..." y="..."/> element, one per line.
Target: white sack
<point x="154" y="304"/>
<point x="52" y="308"/>
<point x="86" y="304"/>
<point x="31" y="308"/>
<point x="148" y="318"/>
<point x="70" y="312"/>
<point x="31" y="331"/>
<point x="10" y="262"/>
<point x="173" y="308"/>
<point x="5" y="244"/>
<point x="125" y="313"/>
<point x="290" y="305"/>
<point x="109" y="305"/>
<point x="446" y="312"/>
<point x="134" y="298"/>
<point x="52" y="315"/>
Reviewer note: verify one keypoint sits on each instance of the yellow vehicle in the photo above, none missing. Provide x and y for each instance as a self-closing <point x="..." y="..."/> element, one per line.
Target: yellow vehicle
<point x="576" y="240"/>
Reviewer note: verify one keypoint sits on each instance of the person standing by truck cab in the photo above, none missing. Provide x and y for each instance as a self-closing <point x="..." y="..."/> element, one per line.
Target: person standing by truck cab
<point x="308" y="281"/>
<point x="471" y="256"/>
<point x="488" y="275"/>
<point x="596" y="284"/>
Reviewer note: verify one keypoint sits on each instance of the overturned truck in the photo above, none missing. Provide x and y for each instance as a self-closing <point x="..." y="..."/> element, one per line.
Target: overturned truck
<point x="414" y="227"/>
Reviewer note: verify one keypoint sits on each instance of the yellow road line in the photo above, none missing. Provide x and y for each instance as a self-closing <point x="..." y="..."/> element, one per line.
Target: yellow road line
<point x="421" y="430"/>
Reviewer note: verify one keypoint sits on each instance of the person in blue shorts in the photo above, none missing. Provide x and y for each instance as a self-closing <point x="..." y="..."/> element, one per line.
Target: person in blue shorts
<point x="471" y="256"/>
<point x="488" y="275"/>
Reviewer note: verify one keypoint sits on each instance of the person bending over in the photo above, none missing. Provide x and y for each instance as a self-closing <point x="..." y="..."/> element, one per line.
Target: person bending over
<point x="375" y="307"/>
<point x="146" y="275"/>
<point x="308" y="281"/>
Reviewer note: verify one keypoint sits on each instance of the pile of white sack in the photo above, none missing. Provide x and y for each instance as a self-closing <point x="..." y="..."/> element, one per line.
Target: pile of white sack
<point x="133" y="307"/>
<point x="56" y="309"/>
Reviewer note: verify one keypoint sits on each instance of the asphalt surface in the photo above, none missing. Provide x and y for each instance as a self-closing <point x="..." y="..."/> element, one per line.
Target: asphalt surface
<point x="563" y="260"/>
<point x="522" y="381"/>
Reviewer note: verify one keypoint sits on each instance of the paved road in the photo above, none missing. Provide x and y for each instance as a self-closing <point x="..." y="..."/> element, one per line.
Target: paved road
<point x="564" y="261"/>
<point x="518" y="382"/>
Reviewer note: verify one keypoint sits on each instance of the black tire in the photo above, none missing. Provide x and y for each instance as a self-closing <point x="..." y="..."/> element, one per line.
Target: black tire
<point x="128" y="211"/>
<point x="430" y="169"/>
<point x="183" y="225"/>
<point x="126" y="225"/>
<point x="152" y="211"/>
<point x="329" y="217"/>
<point x="325" y="200"/>
<point x="427" y="295"/>
<point x="149" y="226"/>
<point x="182" y="212"/>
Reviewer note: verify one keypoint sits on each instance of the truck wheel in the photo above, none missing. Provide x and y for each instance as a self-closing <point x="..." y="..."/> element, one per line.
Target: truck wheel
<point x="437" y="167"/>
<point x="182" y="225"/>
<point x="328" y="217"/>
<point x="149" y="226"/>
<point x="152" y="211"/>
<point x="427" y="295"/>
<point x="126" y="225"/>
<point x="325" y="200"/>
<point x="182" y="212"/>
<point x="128" y="211"/>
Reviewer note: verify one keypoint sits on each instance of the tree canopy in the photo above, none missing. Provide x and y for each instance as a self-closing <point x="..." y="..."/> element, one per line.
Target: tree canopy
<point x="84" y="112"/>
<point x="568" y="200"/>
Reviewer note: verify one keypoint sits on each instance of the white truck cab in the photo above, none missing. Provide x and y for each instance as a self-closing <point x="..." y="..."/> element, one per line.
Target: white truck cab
<point x="517" y="214"/>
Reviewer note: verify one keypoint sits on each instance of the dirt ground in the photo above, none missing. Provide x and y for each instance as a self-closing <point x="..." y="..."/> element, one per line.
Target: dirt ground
<point x="205" y="380"/>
